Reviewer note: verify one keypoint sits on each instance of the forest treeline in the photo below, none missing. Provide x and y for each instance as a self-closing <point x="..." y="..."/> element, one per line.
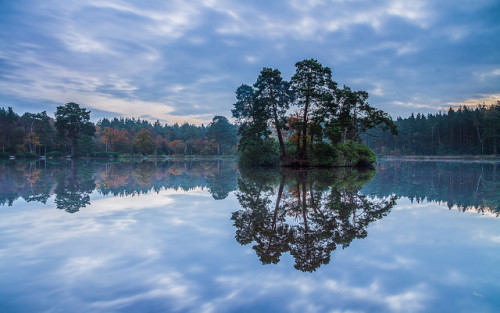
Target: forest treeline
<point x="72" y="133"/>
<point x="462" y="131"/>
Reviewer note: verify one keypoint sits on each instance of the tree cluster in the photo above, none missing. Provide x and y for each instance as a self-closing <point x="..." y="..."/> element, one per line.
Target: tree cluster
<point x="466" y="130"/>
<point x="127" y="136"/>
<point x="29" y="133"/>
<point x="322" y="115"/>
<point x="72" y="133"/>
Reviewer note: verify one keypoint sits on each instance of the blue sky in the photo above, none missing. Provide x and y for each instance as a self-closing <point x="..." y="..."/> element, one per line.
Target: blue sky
<point x="182" y="61"/>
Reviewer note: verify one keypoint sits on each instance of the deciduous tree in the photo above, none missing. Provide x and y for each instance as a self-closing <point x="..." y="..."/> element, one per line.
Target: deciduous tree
<point x="144" y="141"/>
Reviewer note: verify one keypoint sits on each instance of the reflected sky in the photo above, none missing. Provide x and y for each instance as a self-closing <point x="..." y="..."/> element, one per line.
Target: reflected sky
<point x="174" y="250"/>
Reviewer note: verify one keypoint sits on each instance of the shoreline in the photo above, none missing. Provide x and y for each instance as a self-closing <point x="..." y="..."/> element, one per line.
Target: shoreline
<point x="457" y="158"/>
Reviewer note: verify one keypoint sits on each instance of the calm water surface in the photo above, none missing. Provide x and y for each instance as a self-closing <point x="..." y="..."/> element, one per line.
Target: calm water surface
<point x="205" y="236"/>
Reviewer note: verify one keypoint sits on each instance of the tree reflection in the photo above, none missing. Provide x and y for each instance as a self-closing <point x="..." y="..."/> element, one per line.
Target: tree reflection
<point x="306" y="213"/>
<point x="72" y="182"/>
<point x="467" y="186"/>
<point x="74" y="186"/>
<point x="222" y="181"/>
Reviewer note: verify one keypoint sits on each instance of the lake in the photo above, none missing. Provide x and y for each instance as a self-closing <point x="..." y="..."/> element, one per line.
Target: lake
<point x="206" y="236"/>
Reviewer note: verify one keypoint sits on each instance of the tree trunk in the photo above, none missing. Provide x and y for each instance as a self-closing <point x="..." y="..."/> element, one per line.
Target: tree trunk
<point x="280" y="137"/>
<point x="480" y="139"/>
<point x="303" y="150"/>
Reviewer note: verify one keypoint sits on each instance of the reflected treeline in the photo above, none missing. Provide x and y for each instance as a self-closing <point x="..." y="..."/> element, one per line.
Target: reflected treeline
<point x="467" y="186"/>
<point x="305" y="212"/>
<point x="72" y="182"/>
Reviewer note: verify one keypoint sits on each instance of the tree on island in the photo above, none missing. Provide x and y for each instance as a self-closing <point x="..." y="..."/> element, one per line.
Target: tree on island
<point x="255" y="145"/>
<point x="275" y="95"/>
<point x="356" y="116"/>
<point x="314" y="90"/>
<point x="322" y="112"/>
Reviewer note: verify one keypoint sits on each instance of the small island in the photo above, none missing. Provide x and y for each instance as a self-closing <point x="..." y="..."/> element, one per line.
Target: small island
<point x="323" y="128"/>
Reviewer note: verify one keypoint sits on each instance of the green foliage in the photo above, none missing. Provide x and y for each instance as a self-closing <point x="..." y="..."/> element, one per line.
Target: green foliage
<point x="72" y="124"/>
<point x="366" y="156"/>
<point x="222" y="133"/>
<point x="323" y="154"/>
<point x="36" y="133"/>
<point x="353" y="154"/>
<point x="355" y="115"/>
<point x="333" y="131"/>
<point x="263" y="153"/>
<point x="273" y="93"/>
<point x="84" y="145"/>
<point x="462" y="131"/>
<point x="323" y="111"/>
<point x="314" y="94"/>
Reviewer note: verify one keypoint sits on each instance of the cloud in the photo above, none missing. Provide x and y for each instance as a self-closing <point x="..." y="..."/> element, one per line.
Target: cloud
<point x="157" y="54"/>
<point x="489" y="74"/>
<point x="418" y="105"/>
<point x="171" y="19"/>
<point x="173" y="286"/>
<point x="490" y="99"/>
<point x="408" y="301"/>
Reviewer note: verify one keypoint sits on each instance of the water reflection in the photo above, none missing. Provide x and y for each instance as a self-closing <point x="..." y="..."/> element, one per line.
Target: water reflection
<point x="73" y="187"/>
<point x="306" y="213"/>
<point x="72" y="182"/>
<point x="128" y="251"/>
<point x="467" y="186"/>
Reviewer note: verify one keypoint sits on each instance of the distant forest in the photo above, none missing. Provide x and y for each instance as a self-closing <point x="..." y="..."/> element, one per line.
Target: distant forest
<point x="72" y="133"/>
<point x="462" y="131"/>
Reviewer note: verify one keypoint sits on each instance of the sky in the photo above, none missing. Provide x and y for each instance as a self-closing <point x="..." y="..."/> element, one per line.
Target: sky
<point x="181" y="61"/>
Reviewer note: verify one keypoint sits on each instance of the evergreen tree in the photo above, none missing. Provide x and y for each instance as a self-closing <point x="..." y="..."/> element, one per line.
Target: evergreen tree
<point x="274" y="95"/>
<point x="314" y="88"/>
<point x="72" y="124"/>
